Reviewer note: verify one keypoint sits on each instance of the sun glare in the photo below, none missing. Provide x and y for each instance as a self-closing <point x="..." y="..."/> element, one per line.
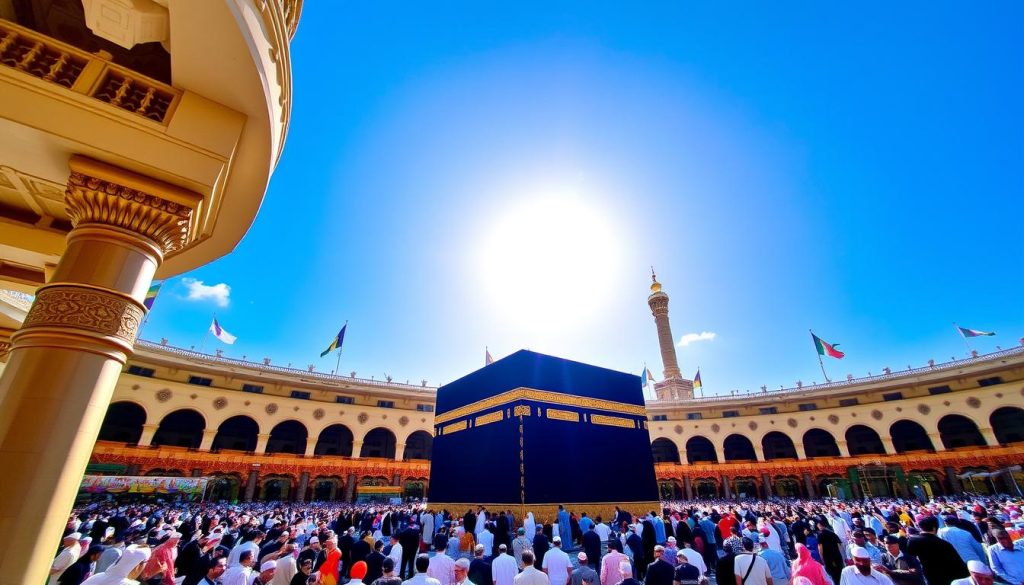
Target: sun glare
<point x="549" y="260"/>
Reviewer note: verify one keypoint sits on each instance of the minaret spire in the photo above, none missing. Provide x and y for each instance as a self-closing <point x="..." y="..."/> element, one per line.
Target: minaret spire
<point x="673" y="386"/>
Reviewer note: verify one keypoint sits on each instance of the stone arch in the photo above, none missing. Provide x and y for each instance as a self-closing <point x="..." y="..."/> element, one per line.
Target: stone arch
<point x="288" y="437"/>
<point x="334" y="440"/>
<point x="820" y="443"/>
<point x="379" y="442"/>
<point x="665" y="451"/>
<point x="908" y="435"/>
<point x="956" y="430"/>
<point x="864" y="440"/>
<point x="224" y="487"/>
<point x="738" y="448"/>
<point x="277" y="487"/>
<point x="1008" y="424"/>
<point x="778" y="445"/>
<point x="700" y="449"/>
<point x="123" y="422"/>
<point x="238" y="433"/>
<point x="418" y="445"/>
<point x="181" y="428"/>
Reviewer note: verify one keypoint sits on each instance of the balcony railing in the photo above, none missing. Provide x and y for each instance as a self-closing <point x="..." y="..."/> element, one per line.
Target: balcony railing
<point x="783" y="393"/>
<point x="213" y="360"/>
<point x="88" y="74"/>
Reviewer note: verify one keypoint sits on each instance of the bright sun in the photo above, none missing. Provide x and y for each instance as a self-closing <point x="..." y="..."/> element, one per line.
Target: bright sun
<point x="550" y="261"/>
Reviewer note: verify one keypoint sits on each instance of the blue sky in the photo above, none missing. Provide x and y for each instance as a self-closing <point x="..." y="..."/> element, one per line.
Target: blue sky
<point x="458" y="177"/>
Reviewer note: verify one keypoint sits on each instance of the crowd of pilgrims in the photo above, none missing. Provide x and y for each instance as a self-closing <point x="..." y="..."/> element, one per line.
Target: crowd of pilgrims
<point x="967" y="540"/>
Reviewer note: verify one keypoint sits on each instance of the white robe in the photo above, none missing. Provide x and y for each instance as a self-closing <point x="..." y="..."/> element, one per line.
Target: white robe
<point x="531" y="526"/>
<point x="65" y="559"/>
<point x="481" y="519"/>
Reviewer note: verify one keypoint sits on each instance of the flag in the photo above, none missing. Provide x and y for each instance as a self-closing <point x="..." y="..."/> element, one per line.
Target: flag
<point x="825" y="348"/>
<point x="488" y="360"/>
<point x="644" y="380"/>
<point x="696" y="381"/>
<point x="151" y="295"/>
<point x="220" y="333"/>
<point x="974" y="332"/>
<point x="336" y="342"/>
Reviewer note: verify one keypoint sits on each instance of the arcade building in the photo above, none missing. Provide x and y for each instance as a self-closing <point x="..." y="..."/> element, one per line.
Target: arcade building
<point x="260" y="431"/>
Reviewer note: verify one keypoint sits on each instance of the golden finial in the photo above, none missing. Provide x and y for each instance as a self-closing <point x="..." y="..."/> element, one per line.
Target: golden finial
<point x="655" y="285"/>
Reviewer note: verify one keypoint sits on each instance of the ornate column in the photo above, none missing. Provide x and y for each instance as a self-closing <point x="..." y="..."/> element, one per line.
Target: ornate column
<point x="844" y="449"/>
<point x="261" y="443"/>
<point x="208" y="436"/>
<point x="400" y="452"/>
<point x="197" y="472"/>
<point x="396" y="479"/>
<point x="759" y="451"/>
<point x="350" y="487"/>
<point x="357" y="449"/>
<point x="66" y="358"/>
<point x="726" y="488"/>
<point x="132" y="469"/>
<point x="990" y="436"/>
<point x="148" y="432"/>
<point x="766" y="480"/>
<point x="310" y="446"/>
<point x="250" y="485"/>
<point x="688" y="487"/>
<point x="936" y="439"/>
<point x="300" y="496"/>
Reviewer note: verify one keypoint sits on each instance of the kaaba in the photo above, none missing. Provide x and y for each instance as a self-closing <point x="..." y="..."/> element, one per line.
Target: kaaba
<point x="531" y="431"/>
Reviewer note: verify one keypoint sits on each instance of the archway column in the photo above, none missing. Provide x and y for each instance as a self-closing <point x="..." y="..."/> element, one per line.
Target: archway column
<point x="726" y="488"/>
<point x="148" y="432"/>
<point x="399" y="451"/>
<point x="250" y="485"/>
<point x="890" y="447"/>
<point x="990" y="436"/>
<point x="809" y="484"/>
<point x="766" y="481"/>
<point x="350" y="487"/>
<point x="758" y="451"/>
<point x="953" y="481"/>
<point x="261" y="443"/>
<point x="65" y="360"/>
<point x="801" y="454"/>
<point x="357" y="449"/>
<point x="936" y="439"/>
<point x="844" y="449"/>
<point x="208" y="436"/>
<point x="300" y="495"/>
<point x="687" y="487"/>
<point x="310" y="446"/>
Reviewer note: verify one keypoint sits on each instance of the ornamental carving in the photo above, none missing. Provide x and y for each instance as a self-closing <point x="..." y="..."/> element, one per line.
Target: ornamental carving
<point x="715" y="428"/>
<point x="319" y="413"/>
<point x="87" y="309"/>
<point x="752" y="425"/>
<point x="271" y="408"/>
<point x="403" y="421"/>
<point x="363" y="417"/>
<point x="792" y="423"/>
<point x="974" y="402"/>
<point x="833" y="418"/>
<point x="876" y="414"/>
<point x="91" y="199"/>
<point x="164" y="395"/>
<point x="679" y="429"/>
<point x="220" y="403"/>
<point x="924" y="408"/>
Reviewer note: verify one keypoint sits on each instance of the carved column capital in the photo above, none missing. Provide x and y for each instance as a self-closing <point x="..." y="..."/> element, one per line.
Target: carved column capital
<point x="98" y="193"/>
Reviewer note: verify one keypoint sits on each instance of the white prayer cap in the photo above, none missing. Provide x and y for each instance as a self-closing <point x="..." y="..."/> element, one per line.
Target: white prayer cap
<point x="859" y="552"/>
<point x="479" y="547"/>
<point x="314" y="540"/>
<point x="978" y="567"/>
<point x="75" y="535"/>
<point x="557" y="539"/>
<point x="582" y="556"/>
<point x="671" y="539"/>
<point x="462" y="563"/>
<point x="267" y="565"/>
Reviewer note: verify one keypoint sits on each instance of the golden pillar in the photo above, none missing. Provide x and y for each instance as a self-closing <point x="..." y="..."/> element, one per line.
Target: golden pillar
<point x="64" y="361"/>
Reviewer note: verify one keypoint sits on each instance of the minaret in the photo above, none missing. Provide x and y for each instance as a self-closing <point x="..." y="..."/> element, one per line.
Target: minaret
<point x="673" y="386"/>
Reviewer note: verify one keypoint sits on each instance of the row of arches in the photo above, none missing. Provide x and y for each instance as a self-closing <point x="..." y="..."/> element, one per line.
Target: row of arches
<point x="955" y="431"/>
<point x="124" y="422"/>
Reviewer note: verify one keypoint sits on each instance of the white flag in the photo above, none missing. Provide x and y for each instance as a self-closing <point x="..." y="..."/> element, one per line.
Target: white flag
<point x="220" y="333"/>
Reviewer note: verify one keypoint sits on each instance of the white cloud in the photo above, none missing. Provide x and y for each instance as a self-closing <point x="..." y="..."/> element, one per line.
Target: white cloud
<point x="693" y="337"/>
<point x="197" y="291"/>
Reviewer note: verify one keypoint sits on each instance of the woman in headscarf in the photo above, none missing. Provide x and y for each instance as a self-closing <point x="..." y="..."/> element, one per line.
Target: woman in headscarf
<point x="531" y="526"/>
<point x="125" y="571"/>
<point x="808" y="568"/>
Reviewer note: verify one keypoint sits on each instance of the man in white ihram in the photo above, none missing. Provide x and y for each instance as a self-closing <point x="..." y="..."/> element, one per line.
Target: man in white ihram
<point x="504" y="568"/>
<point x="557" y="564"/>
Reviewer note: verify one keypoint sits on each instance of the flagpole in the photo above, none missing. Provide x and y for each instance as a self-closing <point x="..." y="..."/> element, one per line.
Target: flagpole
<point x="962" y="336"/>
<point x="820" y="363"/>
<point x="202" y="344"/>
<point x="337" y="365"/>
